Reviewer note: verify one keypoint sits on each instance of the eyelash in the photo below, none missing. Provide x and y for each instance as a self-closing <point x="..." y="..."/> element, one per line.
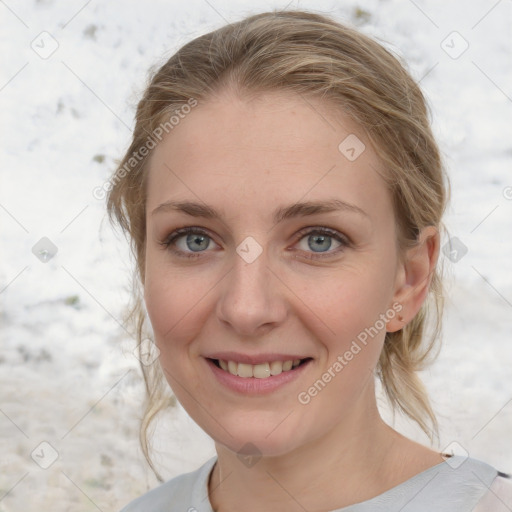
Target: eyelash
<point x="322" y="231"/>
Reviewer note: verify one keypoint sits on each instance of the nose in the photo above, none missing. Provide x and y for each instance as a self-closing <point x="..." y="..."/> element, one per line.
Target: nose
<point x="252" y="301"/>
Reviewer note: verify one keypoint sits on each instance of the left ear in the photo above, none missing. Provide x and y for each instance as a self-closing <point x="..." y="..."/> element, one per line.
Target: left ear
<point x="414" y="276"/>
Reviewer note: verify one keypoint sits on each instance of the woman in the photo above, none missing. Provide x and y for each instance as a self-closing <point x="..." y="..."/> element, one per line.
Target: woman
<point x="284" y="195"/>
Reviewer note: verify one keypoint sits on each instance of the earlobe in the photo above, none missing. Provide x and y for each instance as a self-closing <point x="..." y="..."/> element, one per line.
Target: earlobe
<point x="414" y="277"/>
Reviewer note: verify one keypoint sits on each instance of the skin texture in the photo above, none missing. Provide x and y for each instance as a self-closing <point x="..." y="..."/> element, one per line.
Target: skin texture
<point x="246" y="156"/>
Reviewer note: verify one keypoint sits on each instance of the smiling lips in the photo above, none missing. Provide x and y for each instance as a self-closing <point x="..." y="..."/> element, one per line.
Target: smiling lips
<point x="259" y="371"/>
<point x="256" y="375"/>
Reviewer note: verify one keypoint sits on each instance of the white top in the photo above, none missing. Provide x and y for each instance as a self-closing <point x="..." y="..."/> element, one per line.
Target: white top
<point x="458" y="484"/>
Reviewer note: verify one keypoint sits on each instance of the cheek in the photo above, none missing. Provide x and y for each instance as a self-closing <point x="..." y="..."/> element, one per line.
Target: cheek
<point x="350" y="301"/>
<point x="352" y="308"/>
<point x="178" y="302"/>
<point x="349" y="310"/>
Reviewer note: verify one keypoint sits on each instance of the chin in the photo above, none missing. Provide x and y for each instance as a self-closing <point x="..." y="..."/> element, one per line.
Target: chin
<point x="253" y="439"/>
<point x="258" y="446"/>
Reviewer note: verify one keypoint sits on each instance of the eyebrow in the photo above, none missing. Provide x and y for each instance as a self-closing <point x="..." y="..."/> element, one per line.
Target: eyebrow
<point x="282" y="213"/>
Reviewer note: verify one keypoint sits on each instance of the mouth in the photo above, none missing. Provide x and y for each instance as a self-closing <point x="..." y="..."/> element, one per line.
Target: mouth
<point x="259" y="371"/>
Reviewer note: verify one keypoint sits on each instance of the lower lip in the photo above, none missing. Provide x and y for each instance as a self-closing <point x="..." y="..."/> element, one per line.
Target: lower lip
<point x="254" y="386"/>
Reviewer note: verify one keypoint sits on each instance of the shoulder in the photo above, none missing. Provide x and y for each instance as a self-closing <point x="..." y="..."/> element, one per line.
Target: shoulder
<point x="456" y="485"/>
<point x="499" y="496"/>
<point x="187" y="492"/>
<point x="471" y="484"/>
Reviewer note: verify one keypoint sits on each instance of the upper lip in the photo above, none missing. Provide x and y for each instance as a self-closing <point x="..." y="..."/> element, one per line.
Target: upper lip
<point x="255" y="358"/>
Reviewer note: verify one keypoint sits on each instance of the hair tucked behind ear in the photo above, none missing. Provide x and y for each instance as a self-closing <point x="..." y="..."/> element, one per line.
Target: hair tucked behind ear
<point x="313" y="56"/>
<point x="404" y="353"/>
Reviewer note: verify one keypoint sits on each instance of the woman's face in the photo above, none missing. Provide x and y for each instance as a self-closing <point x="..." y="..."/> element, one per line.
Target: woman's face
<point x="291" y="255"/>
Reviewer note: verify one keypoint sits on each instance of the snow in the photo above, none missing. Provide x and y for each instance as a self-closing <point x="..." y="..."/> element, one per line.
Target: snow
<point x="68" y="374"/>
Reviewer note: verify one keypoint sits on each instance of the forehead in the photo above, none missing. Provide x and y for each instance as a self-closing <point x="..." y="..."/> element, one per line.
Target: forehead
<point x="253" y="153"/>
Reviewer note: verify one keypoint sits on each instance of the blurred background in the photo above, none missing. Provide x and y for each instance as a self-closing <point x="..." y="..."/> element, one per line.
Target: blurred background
<point x="70" y="388"/>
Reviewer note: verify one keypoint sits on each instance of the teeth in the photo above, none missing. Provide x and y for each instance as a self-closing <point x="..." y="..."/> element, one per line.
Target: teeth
<point x="287" y="365"/>
<point x="259" y="371"/>
<point x="276" y="367"/>
<point x="244" y="370"/>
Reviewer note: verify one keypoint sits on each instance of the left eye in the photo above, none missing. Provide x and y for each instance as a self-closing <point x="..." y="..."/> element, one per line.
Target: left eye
<point x="321" y="241"/>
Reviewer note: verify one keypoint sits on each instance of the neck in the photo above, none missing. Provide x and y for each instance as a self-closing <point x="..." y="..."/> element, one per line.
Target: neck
<point x="348" y="464"/>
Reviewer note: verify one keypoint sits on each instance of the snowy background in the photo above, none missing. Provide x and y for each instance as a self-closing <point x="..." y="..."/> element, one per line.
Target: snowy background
<point x="71" y="75"/>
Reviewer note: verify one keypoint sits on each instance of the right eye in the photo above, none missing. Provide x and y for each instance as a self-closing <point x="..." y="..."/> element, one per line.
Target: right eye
<point x="188" y="242"/>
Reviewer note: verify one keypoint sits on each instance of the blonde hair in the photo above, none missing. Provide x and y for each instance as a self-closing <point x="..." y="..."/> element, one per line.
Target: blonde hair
<point x="314" y="56"/>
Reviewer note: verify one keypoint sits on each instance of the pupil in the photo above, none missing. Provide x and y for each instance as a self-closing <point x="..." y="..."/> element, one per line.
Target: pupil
<point x="197" y="239"/>
<point x="319" y="240"/>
